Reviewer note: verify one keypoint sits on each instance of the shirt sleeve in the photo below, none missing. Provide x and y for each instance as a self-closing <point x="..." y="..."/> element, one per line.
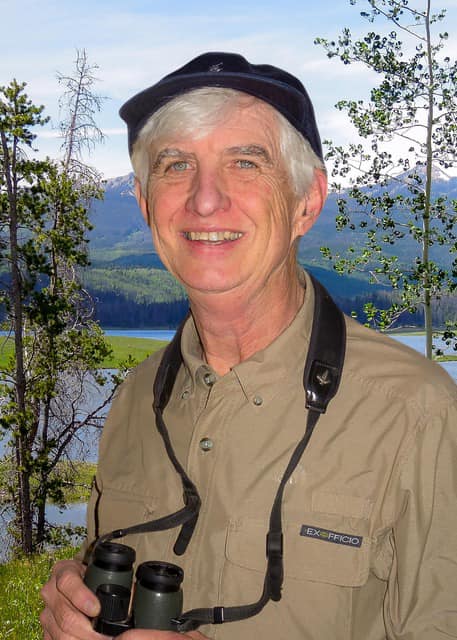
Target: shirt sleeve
<point x="421" y="601"/>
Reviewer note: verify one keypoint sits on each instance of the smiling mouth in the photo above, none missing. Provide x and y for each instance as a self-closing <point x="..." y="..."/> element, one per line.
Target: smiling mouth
<point x="212" y="236"/>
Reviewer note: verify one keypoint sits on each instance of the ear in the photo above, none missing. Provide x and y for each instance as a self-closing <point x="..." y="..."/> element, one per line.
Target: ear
<point x="310" y="206"/>
<point x="142" y="202"/>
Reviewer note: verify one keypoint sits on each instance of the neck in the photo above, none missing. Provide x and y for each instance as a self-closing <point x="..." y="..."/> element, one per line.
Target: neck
<point x="232" y="329"/>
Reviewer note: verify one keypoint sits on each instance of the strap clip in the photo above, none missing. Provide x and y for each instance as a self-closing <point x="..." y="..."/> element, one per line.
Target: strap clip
<point x="274" y="545"/>
<point x="322" y="385"/>
<point x="218" y="615"/>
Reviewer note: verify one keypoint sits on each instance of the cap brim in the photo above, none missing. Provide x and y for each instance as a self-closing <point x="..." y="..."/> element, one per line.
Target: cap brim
<point x="287" y="100"/>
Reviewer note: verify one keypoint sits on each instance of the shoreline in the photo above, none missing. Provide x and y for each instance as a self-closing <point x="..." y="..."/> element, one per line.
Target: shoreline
<point x="140" y="348"/>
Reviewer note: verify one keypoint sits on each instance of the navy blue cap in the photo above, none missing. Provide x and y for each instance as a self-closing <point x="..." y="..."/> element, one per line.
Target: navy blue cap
<point x="278" y="88"/>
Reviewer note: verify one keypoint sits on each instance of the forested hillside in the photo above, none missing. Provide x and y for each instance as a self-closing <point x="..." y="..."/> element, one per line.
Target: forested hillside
<point x="136" y="296"/>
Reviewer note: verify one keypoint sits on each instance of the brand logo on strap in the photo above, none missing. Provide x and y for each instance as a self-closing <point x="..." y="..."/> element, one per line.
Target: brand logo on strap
<point x="326" y="535"/>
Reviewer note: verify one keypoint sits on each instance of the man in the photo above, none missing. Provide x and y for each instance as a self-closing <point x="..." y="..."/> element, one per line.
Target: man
<point x="229" y="176"/>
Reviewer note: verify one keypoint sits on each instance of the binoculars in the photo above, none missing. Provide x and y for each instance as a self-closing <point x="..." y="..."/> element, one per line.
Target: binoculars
<point x="157" y="595"/>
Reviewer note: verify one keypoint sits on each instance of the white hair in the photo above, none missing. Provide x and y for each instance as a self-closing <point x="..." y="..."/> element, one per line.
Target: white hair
<point x="198" y="112"/>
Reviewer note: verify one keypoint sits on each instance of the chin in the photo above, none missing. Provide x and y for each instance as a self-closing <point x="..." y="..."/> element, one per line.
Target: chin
<point x="208" y="285"/>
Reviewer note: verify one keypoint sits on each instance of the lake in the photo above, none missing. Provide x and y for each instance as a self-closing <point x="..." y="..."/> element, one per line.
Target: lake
<point x="153" y="334"/>
<point x="417" y="342"/>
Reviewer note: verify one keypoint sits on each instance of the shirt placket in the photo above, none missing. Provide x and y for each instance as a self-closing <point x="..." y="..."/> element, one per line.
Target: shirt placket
<point x="216" y="399"/>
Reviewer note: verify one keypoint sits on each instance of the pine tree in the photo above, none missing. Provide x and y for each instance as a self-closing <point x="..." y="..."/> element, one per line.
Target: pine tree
<point x="58" y="348"/>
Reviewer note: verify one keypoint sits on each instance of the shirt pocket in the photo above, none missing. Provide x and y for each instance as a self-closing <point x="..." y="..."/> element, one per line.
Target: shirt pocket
<point x="119" y="509"/>
<point x="321" y="547"/>
<point x="320" y="576"/>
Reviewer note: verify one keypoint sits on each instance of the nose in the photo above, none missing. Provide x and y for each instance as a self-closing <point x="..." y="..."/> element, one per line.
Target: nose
<point x="208" y="194"/>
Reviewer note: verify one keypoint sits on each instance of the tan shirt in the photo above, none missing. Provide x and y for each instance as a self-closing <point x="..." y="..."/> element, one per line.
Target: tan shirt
<point x="381" y="468"/>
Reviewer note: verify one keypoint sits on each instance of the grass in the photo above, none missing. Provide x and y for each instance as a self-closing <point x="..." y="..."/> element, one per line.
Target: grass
<point x="137" y="348"/>
<point x="406" y="331"/>
<point x="123" y="347"/>
<point x="78" y="490"/>
<point x="446" y="358"/>
<point x="6" y="350"/>
<point x="20" y="600"/>
<point x="78" y="487"/>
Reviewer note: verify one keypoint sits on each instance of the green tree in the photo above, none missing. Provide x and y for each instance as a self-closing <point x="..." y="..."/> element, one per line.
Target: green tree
<point x="58" y="349"/>
<point x="408" y="131"/>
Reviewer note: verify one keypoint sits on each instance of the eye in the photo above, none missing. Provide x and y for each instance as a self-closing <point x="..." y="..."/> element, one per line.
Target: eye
<point x="246" y="164"/>
<point x="179" y="166"/>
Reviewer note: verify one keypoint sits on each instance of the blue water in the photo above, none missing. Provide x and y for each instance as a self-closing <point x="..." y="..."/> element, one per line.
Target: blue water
<point x="74" y="515"/>
<point x="154" y="334"/>
<point x="418" y="343"/>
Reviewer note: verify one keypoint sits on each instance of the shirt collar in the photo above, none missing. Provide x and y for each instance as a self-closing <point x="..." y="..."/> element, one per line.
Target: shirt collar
<point x="286" y="353"/>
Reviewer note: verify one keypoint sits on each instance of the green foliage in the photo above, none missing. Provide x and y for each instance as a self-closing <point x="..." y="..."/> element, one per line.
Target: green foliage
<point x="18" y="115"/>
<point x="58" y="349"/>
<point x="142" y="285"/>
<point x="120" y="350"/>
<point x="20" y="601"/>
<point x="76" y="478"/>
<point x="390" y="198"/>
<point x="134" y="296"/>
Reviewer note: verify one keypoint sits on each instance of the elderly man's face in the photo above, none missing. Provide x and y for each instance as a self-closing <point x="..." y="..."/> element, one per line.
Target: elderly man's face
<point x="222" y="212"/>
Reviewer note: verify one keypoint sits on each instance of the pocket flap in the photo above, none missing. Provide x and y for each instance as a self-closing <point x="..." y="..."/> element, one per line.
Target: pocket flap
<point x="121" y="509"/>
<point x="335" y="550"/>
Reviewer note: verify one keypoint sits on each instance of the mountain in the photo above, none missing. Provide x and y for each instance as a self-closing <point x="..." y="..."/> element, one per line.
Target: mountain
<point x="118" y="224"/>
<point x="121" y="237"/>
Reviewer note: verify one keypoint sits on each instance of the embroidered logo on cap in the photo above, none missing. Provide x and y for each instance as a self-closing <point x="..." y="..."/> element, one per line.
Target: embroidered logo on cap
<point x="326" y="535"/>
<point x="215" y="68"/>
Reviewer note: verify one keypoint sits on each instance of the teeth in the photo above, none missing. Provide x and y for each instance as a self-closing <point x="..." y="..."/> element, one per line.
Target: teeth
<point x="212" y="236"/>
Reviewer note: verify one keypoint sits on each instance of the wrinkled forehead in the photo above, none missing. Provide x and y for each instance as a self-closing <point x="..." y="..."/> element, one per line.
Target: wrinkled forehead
<point x="200" y="112"/>
<point x="241" y="115"/>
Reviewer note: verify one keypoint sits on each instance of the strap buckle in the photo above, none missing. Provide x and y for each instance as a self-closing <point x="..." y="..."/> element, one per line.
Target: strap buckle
<point x="275" y="566"/>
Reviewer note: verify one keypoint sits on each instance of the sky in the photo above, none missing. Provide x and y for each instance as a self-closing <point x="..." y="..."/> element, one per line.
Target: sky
<point x="136" y="42"/>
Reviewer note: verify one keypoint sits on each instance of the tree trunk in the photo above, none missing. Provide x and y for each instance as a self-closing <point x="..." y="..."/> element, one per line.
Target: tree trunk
<point x="428" y="321"/>
<point x="20" y="440"/>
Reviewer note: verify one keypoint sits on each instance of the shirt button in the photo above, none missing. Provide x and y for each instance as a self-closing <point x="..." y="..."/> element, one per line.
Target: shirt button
<point x="185" y="394"/>
<point x="206" y="444"/>
<point x="209" y="379"/>
<point x="257" y="400"/>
